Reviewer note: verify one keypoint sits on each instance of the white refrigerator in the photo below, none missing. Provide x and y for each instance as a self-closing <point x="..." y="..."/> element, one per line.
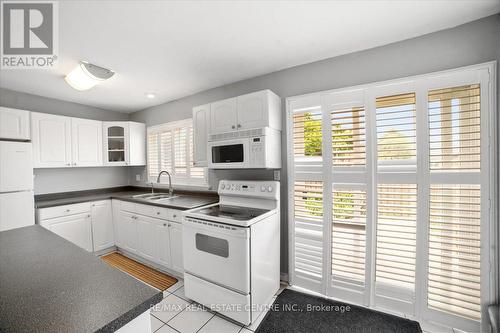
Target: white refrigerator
<point x="16" y="185"/>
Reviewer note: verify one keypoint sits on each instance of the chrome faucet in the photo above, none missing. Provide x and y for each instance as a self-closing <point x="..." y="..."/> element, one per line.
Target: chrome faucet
<point x="170" y="188"/>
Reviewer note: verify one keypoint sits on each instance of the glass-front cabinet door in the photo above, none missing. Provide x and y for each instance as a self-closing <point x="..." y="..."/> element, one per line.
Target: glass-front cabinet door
<point x="116" y="143"/>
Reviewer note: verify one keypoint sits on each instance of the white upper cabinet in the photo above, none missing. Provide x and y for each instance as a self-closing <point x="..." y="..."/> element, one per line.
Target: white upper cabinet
<point x="51" y="139"/>
<point x="86" y="138"/>
<point x="259" y="109"/>
<point x="60" y="141"/>
<point x="137" y="144"/>
<point x="124" y="143"/>
<point x="224" y="116"/>
<point x="14" y="124"/>
<point x="254" y="110"/>
<point x="201" y="128"/>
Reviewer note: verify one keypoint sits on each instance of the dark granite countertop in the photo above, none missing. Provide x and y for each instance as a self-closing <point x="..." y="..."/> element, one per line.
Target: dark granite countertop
<point x="186" y="200"/>
<point x="47" y="284"/>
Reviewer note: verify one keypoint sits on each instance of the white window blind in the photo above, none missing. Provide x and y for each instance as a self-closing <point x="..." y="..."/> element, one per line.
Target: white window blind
<point x="454" y="284"/>
<point x="348" y="137"/>
<point x="348" y="233"/>
<point x="170" y="148"/>
<point x="396" y="129"/>
<point x="454" y="128"/>
<point x="307" y="137"/>
<point x="308" y="217"/>
<point x="394" y="212"/>
<point x="396" y="235"/>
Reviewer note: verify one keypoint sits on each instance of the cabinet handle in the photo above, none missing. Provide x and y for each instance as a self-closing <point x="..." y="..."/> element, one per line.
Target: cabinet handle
<point x="74" y="163"/>
<point x="67" y="210"/>
<point x="239" y="125"/>
<point x="68" y="164"/>
<point x="233" y="127"/>
<point x="88" y="215"/>
<point x="169" y="225"/>
<point x="164" y="224"/>
<point x="157" y="213"/>
<point x="175" y="216"/>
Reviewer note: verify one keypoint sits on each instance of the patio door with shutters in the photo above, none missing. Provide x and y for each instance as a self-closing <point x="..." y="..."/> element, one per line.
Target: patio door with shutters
<point x="390" y="191"/>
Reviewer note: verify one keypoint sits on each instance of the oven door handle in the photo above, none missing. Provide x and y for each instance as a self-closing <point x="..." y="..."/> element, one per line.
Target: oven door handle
<point x="214" y="227"/>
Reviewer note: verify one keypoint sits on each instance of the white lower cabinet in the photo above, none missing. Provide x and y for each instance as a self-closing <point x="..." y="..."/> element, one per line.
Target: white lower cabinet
<point x="150" y="232"/>
<point x="145" y="232"/>
<point x="176" y="246"/>
<point x="74" y="228"/>
<point x="102" y="225"/>
<point x="153" y="233"/>
<point x="162" y="243"/>
<point x="87" y="224"/>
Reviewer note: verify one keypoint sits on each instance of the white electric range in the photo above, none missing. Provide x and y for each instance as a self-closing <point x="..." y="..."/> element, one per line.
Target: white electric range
<point x="231" y="249"/>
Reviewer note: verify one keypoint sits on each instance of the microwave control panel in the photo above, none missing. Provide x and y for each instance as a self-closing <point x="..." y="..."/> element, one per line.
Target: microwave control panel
<point x="257" y="151"/>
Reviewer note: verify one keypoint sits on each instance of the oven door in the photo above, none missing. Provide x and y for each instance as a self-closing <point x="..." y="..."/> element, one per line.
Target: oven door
<point x="228" y="154"/>
<point x="218" y="253"/>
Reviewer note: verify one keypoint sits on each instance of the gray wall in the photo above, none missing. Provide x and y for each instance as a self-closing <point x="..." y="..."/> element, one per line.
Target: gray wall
<point x="61" y="180"/>
<point x="468" y="44"/>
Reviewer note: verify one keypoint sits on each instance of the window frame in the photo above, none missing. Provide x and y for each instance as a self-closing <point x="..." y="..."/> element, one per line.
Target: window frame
<point x="488" y="178"/>
<point x="181" y="180"/>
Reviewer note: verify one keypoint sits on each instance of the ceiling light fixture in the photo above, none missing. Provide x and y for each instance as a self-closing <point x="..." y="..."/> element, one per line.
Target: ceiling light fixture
<point x="86" y="76"/>
<point x="150" y="95"/>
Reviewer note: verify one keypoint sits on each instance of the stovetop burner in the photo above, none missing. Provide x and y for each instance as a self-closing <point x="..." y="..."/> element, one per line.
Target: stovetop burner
<point x="232" y="212"/>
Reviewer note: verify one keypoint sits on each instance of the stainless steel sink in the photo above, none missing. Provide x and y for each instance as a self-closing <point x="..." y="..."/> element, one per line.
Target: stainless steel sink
<point x="154" y="196"/>
<point x="163" y="197"/>
<point x="144" y="195"/>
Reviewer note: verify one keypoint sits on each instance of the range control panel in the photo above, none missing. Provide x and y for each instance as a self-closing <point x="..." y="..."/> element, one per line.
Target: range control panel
<point x="265" y="189"/>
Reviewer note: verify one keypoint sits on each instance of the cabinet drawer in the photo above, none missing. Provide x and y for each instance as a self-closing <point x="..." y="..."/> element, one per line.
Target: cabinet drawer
<point x="154" y="211"/>
<point x="128" y="206"/>
<point x="176" y="215"/>
<point x="65" y="210"/>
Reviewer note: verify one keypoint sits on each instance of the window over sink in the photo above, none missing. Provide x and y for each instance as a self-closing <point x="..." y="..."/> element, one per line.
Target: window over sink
<point x="170" y="148"/>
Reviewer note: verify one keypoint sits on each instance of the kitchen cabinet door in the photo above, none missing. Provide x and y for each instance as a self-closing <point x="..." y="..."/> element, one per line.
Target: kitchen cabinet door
<point x="128" y="231"/>
<point x="51" y="139"/>
<point x="176" y="246"/>
<point x="223" y="116"/>
<point x="162" y="243"/>
<point x="116" y="143"/>
<point x="14" y="124"/>
<point x="201" y="128"/>
<point x="86" y="139"/>
<point x="259" y="109"/>
<point x="145" y="233"/>
<point x="253" y="110"/>
<point x="74" y="228"/>
<point x="102" y="225"/>
<point x="137" y="144"/>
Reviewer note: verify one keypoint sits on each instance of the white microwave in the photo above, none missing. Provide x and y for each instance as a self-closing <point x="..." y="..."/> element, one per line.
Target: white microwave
<point x="258" y="148"/>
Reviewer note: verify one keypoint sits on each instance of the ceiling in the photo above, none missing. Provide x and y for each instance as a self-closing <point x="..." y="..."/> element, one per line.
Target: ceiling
<point x="178" y="48"/>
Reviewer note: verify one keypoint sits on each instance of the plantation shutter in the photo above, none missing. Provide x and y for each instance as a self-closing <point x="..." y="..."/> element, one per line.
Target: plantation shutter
<point x="306" y="147"/>
<point x="396" y="130"/>
<point x="170" y="148"/>
<point x="391" y="196"/>
<point x="153" y="156"/>
<point x="455" y="250"/>
<point x="348" y="137"/>
<point x="396" y="235"/>
<point x="454" y="265"/>
<point x="166" y="151"/>
<point x="348" y="233"/>
<point x="180" y="150"/>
